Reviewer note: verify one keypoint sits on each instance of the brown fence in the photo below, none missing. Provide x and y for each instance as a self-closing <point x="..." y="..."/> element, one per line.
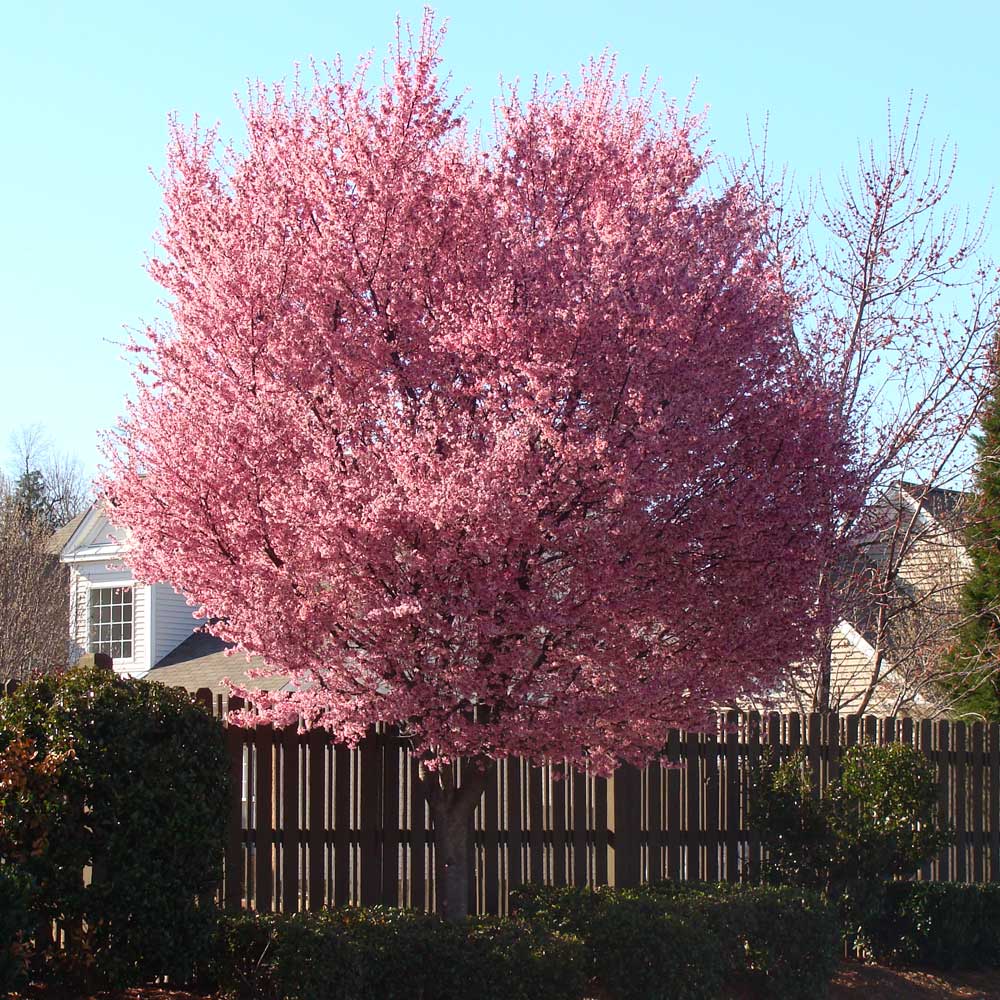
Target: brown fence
<point x="319" y="824"/>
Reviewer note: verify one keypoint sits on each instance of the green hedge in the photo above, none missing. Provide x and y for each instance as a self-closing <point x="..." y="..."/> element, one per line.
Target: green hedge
<point x="688" y="940"/>
<point x="939" y="924"/>
<point x="15" y="926"/>
<point x="139" y="797"/>
<point x="383" y="953"/>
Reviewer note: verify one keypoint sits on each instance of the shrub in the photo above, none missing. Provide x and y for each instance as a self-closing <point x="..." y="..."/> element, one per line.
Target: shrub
<point x="383" y="953"/>
<point x="138" y="796"/>
<point x="674" y="939"/>
<point x="15" y="926"/>
<point x="940" y="924"/>
<point x="878" y="822"/>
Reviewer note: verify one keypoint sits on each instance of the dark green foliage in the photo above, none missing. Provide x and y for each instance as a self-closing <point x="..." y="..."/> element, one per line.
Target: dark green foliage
<point x="32" y="500"/>
<point x="878" y="822"/>
<point x="975" y="680"/>
<point x="141" y="800"/>
<point x="382" y="953"/>
<point x="15" y="925"/>
<point x="940" y="924"/>
<point x="672" y="939"/>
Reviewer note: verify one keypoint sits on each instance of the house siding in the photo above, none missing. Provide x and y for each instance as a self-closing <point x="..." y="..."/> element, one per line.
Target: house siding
<point x="174" y="622"/>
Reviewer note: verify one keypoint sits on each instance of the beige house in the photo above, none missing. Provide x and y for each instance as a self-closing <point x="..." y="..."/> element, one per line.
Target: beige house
<point x="902" y="599"/>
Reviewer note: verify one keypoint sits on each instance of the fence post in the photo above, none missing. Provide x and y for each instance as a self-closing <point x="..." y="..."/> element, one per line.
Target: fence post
<point x="961" y="824"/>
<point x="710" y="790"/>
<point x="263" y="827"/>
<point x="753" y="764"/>
<point x="732" y="797"/>
<point x="316" y="747"/>
<point x="693" y="869"/>
<point x="978" y="802"/>
<point x="235" y="862"/>
<point x="369" y="792"/>
<point x="673" y="804"/>
<point x="994" y="874"/>
<point x="624" y="793"/>
<point x="290" y="820"/>
<point x="944" y="795"/>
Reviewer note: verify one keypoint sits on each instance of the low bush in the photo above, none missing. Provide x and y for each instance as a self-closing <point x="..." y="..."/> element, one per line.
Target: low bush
<point x="128" y="778"/>
<point x="939" y="924"/>
<point x="15" y="926"/>
<point x="686" y="940"/>
<point x="383" y="953"/>
<point x="877" y="823"/>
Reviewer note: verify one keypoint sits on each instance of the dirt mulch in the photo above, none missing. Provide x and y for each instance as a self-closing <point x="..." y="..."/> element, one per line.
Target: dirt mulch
<point x="854" y="981"/>
<point x="875" y="982"/>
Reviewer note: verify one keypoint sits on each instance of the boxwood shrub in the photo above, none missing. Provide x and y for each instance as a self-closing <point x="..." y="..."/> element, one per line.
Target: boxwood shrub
<point x="384" y="953"/>
<point x="139" y="798"/>
<point x="683" y="940"/>
<point x="939" y="924"/>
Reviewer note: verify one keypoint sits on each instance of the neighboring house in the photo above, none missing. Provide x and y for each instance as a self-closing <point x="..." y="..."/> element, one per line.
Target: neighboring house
<point x="149" y="630"/>
<point x="902" y="594"/>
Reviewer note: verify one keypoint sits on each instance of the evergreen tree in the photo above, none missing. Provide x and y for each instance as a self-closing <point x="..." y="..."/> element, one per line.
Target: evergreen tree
<point x="31" y="499"/>
<point x="976" y="654"/>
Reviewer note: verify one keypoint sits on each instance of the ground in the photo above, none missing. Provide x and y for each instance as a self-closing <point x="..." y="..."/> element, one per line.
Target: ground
<point x="853" y="982"/>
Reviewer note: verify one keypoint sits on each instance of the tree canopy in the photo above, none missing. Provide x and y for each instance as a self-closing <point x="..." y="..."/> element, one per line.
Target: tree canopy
<point x="504" y="441"/>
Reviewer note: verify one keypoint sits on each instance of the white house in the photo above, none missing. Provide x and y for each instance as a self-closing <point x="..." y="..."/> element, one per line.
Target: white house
<point x="149" y="630"/>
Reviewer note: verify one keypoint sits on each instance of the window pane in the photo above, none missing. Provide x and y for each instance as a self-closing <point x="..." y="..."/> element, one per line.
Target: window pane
<point x="110" y="617"/>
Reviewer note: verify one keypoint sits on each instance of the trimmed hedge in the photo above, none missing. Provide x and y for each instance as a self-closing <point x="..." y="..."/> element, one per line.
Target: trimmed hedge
<point x="688" y="940"/>
<point x="383" y="953"/>
<point x="945" y="925"/>
<point x="139" y="796"/>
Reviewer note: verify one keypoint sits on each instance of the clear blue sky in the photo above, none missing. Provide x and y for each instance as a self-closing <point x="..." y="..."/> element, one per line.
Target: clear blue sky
<point x="87" y="88"/>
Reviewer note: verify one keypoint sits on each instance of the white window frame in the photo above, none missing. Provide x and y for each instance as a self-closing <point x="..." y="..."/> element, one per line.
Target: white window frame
<point x="113" y="585"/>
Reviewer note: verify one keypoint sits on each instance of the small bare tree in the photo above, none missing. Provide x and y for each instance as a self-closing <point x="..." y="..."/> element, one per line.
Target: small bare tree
<point x="45" y="490"/>
<point x="898" y="306"/>
<point x="34" y="605"/>
<point x="63" y="489"/>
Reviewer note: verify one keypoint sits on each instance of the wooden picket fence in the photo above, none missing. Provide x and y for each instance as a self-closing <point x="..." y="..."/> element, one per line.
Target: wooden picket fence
<point x="319" y="824"/>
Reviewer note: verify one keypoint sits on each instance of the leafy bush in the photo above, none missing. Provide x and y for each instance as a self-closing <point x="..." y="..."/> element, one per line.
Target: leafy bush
<point x="383" y="953"/>
<point x="878" y="822"/>
<point x="674" y="939"/>
<point x="15" y="926"/>
<point x="940" y="924"/>
<point x="137" y="794"/>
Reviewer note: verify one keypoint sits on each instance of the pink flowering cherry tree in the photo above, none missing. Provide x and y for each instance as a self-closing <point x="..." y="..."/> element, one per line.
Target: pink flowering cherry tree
<point x="504" y="443"/>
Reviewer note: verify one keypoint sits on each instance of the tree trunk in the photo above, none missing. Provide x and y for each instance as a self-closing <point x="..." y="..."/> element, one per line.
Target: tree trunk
<point x="452" y="807"/>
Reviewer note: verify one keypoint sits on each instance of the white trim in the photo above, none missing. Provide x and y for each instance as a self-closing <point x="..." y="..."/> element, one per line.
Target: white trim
<point x="151" y="627"/>
<point x="129" y="582"/>
<point x="96" y="553"/>
<point x="70" y="542"/>
<point x="856" y="639"/>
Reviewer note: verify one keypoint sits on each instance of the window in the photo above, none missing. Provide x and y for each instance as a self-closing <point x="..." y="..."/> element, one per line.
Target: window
<point x="111" y="622"/>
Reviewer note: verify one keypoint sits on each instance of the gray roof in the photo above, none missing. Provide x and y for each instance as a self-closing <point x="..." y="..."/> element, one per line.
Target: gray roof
<point x="939" y="502"/>
<point x="200" y="661"/>
<point x="58" y="539"/>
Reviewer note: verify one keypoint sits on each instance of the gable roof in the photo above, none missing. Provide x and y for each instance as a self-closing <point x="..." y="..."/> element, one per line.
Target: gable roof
<point x="58" y="539"/>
